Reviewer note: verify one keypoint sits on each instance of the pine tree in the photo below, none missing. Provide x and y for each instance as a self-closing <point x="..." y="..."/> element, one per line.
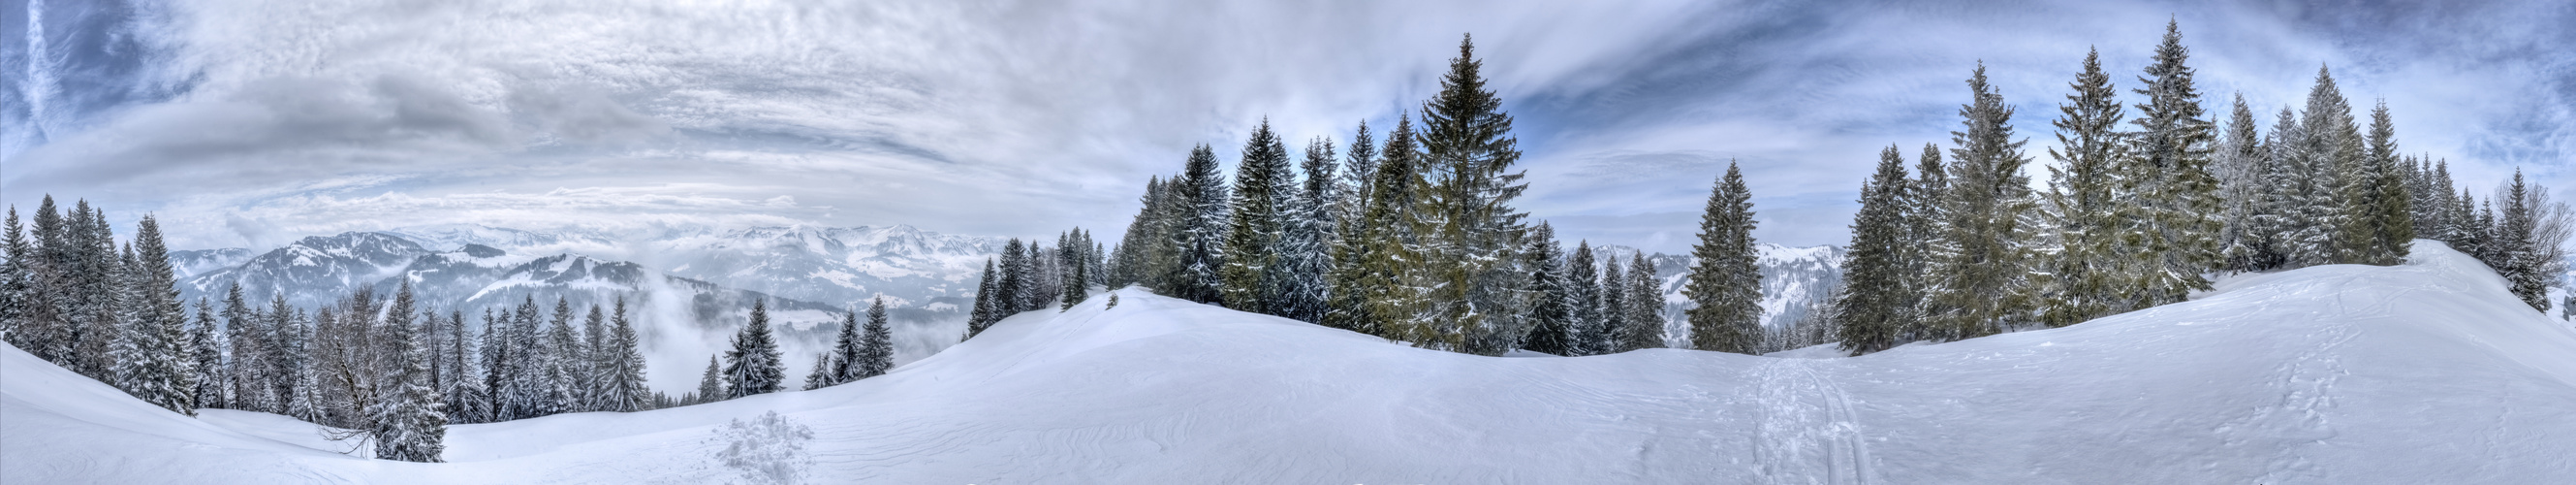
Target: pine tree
<point x="408" y="424"/>
<point x="2245" y="187"/>
<point x="1645" y="306"/>
<point x="1552" y="325"/>
<point x="752" y="366"/>
<point x="876" y="344"/>
<point x="2386" y="211"/>
<point x="1305" y="249"/>
<point x="293" y="379"/>
<point x="1474" y="294"/>
<point x="843" y="358"/>
<point x="561" y="363"/>
<point x="2169" y="176"/>
<point x="1262" y="185"/>
<point x="467" y="400"/>
<point x="1978" y="274"/>
<point x="500" y="361"/>
<point x="1875" y="301"/>
<point x="1726" y="283"/>
<point x="821" y="376"/>
<point x="1926" y="224"/>
<point x="985" y="294"/>
<point x="1198" y="238"/>
<point x="1613" y="307"/>
<point x="91" y="298"/>
<point x="1077" y="286"/>
<point x="622" y="369"/>
<point x="158" y="361"/>
<point x="40" y="326"/>
<point x="206" y="342"/>
<point x="2333" y="154"/>
<point x="1590" y="331"/>
<point x="2091" y="212"/>
<point x="17" y="281"/>
<point x="710" y="385"/>
<point x="2524" y="263"/>
<point x="1359" y="169"/>
<point x="1370" y="292"/>
<point x="586" y="382"/>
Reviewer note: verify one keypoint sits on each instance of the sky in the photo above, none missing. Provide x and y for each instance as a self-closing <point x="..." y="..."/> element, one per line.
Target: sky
<point x="251" y="123"/>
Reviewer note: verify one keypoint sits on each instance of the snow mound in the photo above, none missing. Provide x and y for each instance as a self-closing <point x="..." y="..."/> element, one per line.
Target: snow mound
<point x="2423" y="373"/>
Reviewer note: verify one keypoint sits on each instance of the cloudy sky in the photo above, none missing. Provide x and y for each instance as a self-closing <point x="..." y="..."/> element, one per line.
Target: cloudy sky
<point x="250" y="122"/>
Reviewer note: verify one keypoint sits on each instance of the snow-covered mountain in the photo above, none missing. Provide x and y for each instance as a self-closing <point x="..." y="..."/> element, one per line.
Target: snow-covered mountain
<point x="312" y="271"/>
<point x="2428" y="372"/>
<point x="912" y="268"/>
<point x="192" y="262"/>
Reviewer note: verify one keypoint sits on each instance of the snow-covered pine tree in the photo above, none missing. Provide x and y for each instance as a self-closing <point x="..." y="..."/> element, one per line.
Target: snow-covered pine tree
<point x="2386" y="212"/>
<point x="987" y="290"/>
<point x="206" y="341"/>
<point x="84" y="264"/>
<point x="529" y="383"/>
<point x="1726" y="284"/>
<point x="1586" y="326"/>
<point x="1925" y="225"/>
<point x="2334" y="154"/>
<point x="294" y="381"/>
<point x="1199" y="235"/>
<point x="1306" y="248"/>
<point x="1613" y="307"/>
<point x="1010" y="295"/>
<point x="1369" y="292"/>
<point x="2292" y="201"/>
<point x="1551" y="317"/>
<point x="2524" y="264"/>
<point x="1645" y="306"/>
<point x="710" y="385"/>
<point x="585" y="376"/>
<point x="752" y="366"/>
<point x="159" y="362"/>
<point x="17" y="277"/>
<point x="1262" y="186"/>
<point x="467" y="400"/>
<point x="2092" y="212"/>
<point x="1875" y="301"/>
<point x="876" y="344"/>
<point x="844" y="357"/>
<point x="821" y="376"/>
<point x="41" y="327"/>
<point x="500" y="358"/>
<point x="1468" y="247"/>
<point x="1978" y="278"/>
<point x="1077" y="284"/>
<point x="2176" y="196"/>
<point x="2245" y="187"/>
<point x="621" y="373"/>
<point x="562" y="362"/>
<point x="408" y="424"/>
<point x="2437" y="210"/>
<point x="1359" y="168"/>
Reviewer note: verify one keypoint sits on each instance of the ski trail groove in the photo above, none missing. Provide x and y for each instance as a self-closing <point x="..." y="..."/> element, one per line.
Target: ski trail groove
<point x="1809" y="433"/>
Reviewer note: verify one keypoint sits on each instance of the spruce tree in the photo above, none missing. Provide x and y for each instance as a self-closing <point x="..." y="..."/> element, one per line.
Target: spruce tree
<point x="562" y="349"/>
<point x="1590" y="333"/>
<point x="1726" y="283"/>
<point x="1875" y="301"/>
<point x="40" y="327"/>
<point x="1262" y="183"/>
<point x="408" y="424"/>
<point x="1199" y="237"/>
<point x="1472" y="230"/>
<point x="2516" y="252"/>
<point x="1978" y="277"/>
<point x="2334" y="154"/>
<point x="1645" y="306"/>
<point x="2245" y="189"/>
<point x="206" y="340"/>
<point x="2091" y="211"/>
<point x="1010" y="296"/>
<point x="585" y="374"/>
<point x="467" y="400"/>
<point x="752" y="366"/>
<point x="983" y="315"/>
<point x="1358" y="170"/>
<point x="844" y="357"/>
<point x="1077" y="286"/>
<point x="622" y="371"/>
<point x="2387" y="212"/>
<point x="710" y="385"/>
<point x="821" y="376"/>
<point x="158" y="361"/>
<point x="1370" y="291"/>
<point x="1306" y="247"/>
<point x="2169" y="176"/>
<point x="1925" y="226"/>
<point x="1552" y="326"/>
<point x="17" y="281"/>
<point x="1613" y="307"/>
<point x="876" y="345"/>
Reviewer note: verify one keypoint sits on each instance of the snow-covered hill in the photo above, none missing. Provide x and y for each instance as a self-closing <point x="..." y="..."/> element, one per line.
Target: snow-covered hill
<point x="2423" y="373"/>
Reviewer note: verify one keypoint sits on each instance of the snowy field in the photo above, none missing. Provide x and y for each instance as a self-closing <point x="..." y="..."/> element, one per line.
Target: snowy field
<point x="2424" y="373"/>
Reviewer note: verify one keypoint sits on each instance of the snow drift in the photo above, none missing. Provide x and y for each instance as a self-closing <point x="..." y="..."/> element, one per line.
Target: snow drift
<point x="2423" y="373"/>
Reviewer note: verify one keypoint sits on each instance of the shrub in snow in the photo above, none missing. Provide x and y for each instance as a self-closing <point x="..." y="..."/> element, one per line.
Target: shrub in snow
<point x="766" y="449"/>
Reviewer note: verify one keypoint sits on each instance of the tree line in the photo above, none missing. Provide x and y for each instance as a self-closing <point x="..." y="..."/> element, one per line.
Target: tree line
<point x="2141" y="216"/>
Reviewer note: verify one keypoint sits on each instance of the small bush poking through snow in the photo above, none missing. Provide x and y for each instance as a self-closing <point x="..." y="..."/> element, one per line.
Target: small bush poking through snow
<point x="766" y="449"/>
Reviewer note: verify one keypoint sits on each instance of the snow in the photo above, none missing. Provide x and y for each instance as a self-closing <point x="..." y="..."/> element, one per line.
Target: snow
<point x="2423" y="373"/>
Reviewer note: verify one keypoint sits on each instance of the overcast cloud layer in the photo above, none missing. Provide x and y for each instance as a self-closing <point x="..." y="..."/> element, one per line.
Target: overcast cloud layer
<point x="247" y="123"/>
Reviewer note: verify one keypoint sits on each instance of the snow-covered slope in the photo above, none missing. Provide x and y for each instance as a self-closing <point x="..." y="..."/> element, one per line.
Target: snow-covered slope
<point x="2423" y="373"/>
